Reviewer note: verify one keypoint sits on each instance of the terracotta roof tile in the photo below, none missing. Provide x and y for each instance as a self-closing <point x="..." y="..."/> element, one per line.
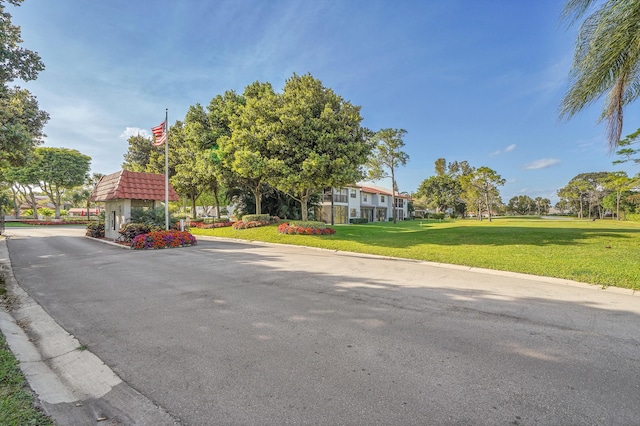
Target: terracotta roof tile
<point x="132" y="185"/>
<point x="381" y="191"/>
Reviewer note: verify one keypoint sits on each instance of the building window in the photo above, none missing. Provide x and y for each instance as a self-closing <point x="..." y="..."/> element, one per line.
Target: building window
<point x="340" y="196"/>
<point x="353" y="193"/>
<point x="364" y="197"/>
<point x="382" y="198"/>
<point x="353" y="213"/>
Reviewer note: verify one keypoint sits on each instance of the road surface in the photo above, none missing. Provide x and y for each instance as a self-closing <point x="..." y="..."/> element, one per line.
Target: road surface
<point x="241" y="333"/>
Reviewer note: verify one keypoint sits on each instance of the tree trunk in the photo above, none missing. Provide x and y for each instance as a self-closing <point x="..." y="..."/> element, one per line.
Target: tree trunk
<point x="193" y="207"/>
<point x="16" y="205"/>
<point x="618" y="195"/>
<point x="57" y="205"/>
<point x="581" y="208"/>
<point x="304" y="208"/>
<point x="332" y="214"/>
<point x="486" y="200"/>
<point x="256" y="195"/>
<point x="34" y="204"/>
<point x="393" y="195"/>
<point x="216" y="197"/>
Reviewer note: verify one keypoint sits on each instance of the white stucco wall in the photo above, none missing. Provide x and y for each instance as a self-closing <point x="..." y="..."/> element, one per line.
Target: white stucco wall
<point x="116" y="214"/>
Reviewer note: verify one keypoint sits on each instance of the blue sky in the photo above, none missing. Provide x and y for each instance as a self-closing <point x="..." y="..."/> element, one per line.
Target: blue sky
<point x="475" y="80"/>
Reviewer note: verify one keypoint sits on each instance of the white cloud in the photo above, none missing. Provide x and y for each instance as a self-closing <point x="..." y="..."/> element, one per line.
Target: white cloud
<point x="133" y="131"/>
<point x="507" y="149"/>
<point x="541" y="164"/>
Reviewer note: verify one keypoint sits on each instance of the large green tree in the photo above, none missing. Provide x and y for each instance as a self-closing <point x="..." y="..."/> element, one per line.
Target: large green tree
<point x="254" y="135"/>
<point x="386" y="157"/>
<point x="321" y="143"/>
<point x="520" y="204"/>
<point x="23" y="181"/>
<point x="573" y="196"/>
<point x="195" y="168"/>
<point x="81" y="196"/>
<point x="17" y="62"/>
<point x="138" y="155"/>
<point x="21" y="121"/>
<point x="60" y="169"/>
<point x="585" y="190"/>
<point x="481" y="189"/>
<point x="618" y="183"/>
<point x="220" y="112"/>
<point x="542" y="205"/>
<point x="606" y="59"/>
<point x="627" y="150"/>
<point x="440" y="192"/>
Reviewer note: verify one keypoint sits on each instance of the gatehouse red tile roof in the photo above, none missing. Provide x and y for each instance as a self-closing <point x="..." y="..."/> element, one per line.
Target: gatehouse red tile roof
<point x="127" y="185"/>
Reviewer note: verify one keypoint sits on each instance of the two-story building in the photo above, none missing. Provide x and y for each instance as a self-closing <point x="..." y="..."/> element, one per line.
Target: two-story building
<point x="362" y="201"/>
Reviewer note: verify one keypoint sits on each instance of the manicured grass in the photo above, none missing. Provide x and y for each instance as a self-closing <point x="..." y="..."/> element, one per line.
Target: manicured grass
<point x="603" y="252"/>
<point x="15" y="224"/>
<point x="16" y="402"/>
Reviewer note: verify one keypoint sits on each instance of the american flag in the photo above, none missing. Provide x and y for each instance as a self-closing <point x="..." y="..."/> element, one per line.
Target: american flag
<point x="160" y="132"/>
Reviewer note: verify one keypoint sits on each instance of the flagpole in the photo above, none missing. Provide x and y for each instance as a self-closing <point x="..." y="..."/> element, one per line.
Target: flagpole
<point x="166" y="170"/>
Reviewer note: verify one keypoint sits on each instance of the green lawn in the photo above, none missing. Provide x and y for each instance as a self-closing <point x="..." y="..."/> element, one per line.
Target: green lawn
<point x="603" y="252"/>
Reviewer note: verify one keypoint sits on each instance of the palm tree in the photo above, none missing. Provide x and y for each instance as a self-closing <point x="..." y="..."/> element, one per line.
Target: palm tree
<point x="606" y="60"/>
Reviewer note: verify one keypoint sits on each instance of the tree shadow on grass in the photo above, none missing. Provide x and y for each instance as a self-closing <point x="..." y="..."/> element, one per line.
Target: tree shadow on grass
<point x="494" y="236"/>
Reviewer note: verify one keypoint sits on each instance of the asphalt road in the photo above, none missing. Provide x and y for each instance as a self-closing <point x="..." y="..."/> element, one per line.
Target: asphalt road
<point x="240" y="333"/>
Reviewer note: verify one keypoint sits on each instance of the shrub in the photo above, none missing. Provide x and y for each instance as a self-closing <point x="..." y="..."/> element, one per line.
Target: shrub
<point x="152" y="217"/>
<point x="131" y="230"/>
<point x="46" y="212"/>
<point x="256" y="218"/>
<point x="438" y="216"/>
<point x="359" y="220"/>
<point x="202" y="225"/>
<point x="253" y="224"/>
<point x="214" y="220"/>
<point x="95" y="230"/>
<point x="163" y="239"/>
<point x="245" y="223"/>
<point x="308" y="224"/>
<point x="301" y="229"/>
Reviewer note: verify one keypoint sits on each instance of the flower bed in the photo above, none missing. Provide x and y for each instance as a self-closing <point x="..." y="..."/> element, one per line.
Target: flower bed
<point x="163" y="239"/>
<point x="202" y="225"/>
<point x="252" y="224"/>
<point x="288" y="229"/>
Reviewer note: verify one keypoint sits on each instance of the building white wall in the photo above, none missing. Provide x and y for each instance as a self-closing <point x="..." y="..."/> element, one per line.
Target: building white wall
<point x="116" y="213"/>
<point x="366" y="203"/>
